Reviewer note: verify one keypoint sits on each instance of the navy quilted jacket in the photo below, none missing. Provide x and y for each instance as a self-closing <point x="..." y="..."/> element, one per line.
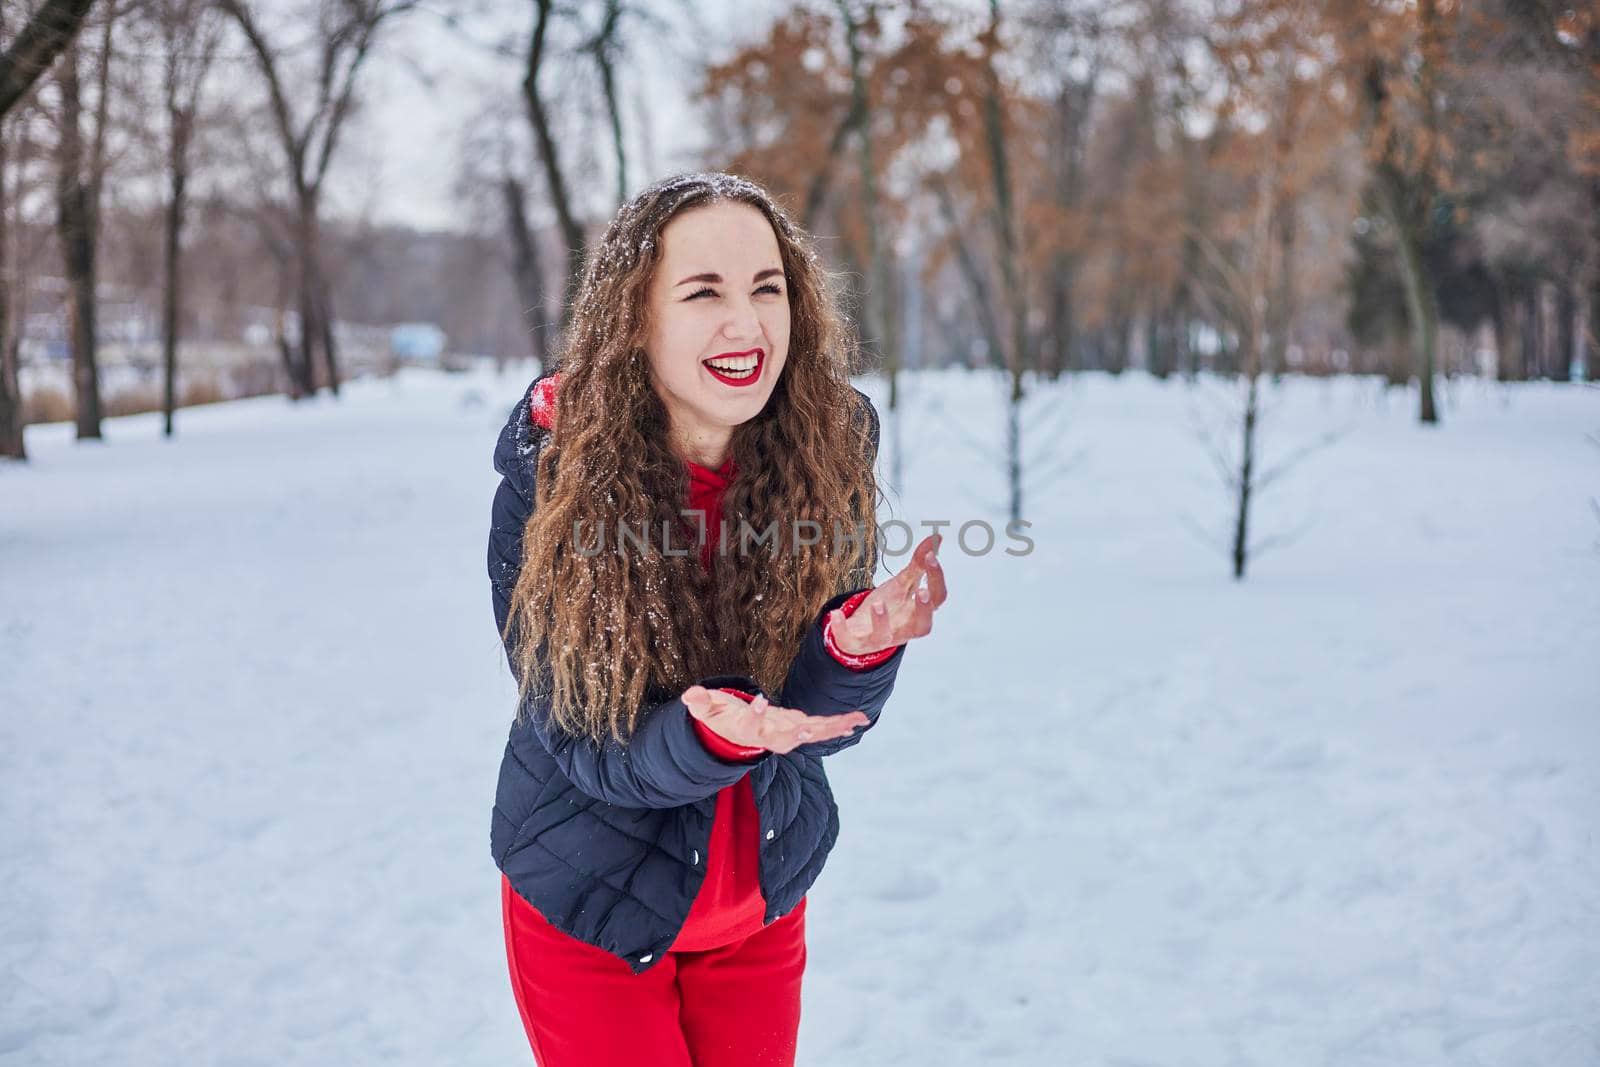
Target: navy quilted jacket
<point x="610" y="843"/>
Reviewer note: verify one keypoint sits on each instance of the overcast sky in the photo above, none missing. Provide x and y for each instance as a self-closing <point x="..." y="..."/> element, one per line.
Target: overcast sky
<point x="404" y="155"/>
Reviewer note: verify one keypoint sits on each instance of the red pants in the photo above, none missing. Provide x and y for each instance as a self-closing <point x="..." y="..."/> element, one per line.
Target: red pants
<point x="733" y="1006"/>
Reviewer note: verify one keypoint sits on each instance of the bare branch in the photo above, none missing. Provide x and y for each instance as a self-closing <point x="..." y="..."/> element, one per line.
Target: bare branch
<point x="1226" y="469"/>
<point x="1211" y="541"/>
<point x="1041" y="478"/>
<point x="1278" y="540"/>
<point x="267" y="60"/>
<point x="969" y="269"/>
<point x="50" y="30"/>
<point x="341" y="106"/>
<point x="985" y="450"/>
<point x="1283" y="466"/>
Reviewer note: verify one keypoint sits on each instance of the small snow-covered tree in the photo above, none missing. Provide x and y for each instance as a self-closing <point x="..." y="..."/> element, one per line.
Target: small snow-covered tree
<point x="1244" y="256"/>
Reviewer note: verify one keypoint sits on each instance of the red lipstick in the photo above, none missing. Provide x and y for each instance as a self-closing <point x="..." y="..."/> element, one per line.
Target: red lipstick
<point x="749" y="378"/>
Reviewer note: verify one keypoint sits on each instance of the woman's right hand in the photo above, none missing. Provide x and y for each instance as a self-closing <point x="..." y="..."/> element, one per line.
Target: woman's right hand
<point x="758" y="724"/>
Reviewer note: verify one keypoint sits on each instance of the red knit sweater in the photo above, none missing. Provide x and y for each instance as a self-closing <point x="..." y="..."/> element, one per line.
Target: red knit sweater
<point x="729" y="905"/>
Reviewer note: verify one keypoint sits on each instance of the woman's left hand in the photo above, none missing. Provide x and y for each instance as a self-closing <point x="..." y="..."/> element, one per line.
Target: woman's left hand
<point x="896" y="611"/>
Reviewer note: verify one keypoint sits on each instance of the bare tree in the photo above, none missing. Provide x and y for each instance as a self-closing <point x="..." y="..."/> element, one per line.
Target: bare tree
<point x="190" y="32"/>
<point x="27" y="177"/>
<point x="881" y="307"/>
<point x="1397" y="65"/>
<point x="21" y="64"/>
<point x="491" y="185"/>
<point x="606" y="48"/>
<point x="526" y="273"/>
<point x="544" y="140"/>
<point x="346" y="32"/>
<point x="1243" y="262"/>
<point x="1016" y="346"/>
<point x="1070" y="43"/>
<point x="12" y="443"/>
<point x="11" y="436"/>
<point x="81" y="168"/>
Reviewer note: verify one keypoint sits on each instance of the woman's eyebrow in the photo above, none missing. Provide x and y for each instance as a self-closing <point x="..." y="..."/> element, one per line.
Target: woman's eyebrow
<point x="716" y="279"/>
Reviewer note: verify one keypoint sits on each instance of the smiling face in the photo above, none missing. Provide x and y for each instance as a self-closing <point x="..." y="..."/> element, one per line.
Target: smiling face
<point x="719" y="324"/>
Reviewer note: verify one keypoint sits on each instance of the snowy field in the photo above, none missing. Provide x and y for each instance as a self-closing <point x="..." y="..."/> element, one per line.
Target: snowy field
<point x="1120" y="812"/>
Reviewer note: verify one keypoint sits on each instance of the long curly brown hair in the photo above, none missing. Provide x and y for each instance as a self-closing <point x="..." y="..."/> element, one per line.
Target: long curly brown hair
<point x="607" y="634"/>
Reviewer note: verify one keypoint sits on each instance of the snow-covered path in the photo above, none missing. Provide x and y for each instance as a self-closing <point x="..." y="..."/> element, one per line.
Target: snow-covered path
<point x="1120" y="811"/>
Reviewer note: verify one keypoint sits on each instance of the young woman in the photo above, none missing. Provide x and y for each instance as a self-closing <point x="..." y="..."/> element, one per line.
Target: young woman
<point x="685" y="525"/>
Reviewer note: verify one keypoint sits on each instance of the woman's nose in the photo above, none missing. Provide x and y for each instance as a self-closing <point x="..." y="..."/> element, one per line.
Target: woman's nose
<point x="743" y="322"/>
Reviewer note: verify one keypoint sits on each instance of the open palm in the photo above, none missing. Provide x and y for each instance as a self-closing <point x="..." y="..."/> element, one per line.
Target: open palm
<point x="757" y="723"/>
<point x="898" y="610"/>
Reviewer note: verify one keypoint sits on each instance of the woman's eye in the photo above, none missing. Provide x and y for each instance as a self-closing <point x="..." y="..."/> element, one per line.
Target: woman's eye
<point x="771" y="287"/>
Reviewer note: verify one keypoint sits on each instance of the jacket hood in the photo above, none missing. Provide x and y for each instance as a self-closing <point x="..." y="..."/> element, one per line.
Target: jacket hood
<point x="517" y="449"/>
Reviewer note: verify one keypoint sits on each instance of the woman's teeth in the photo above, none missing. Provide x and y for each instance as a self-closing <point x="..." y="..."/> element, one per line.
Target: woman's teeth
<point x="740" y="367"/>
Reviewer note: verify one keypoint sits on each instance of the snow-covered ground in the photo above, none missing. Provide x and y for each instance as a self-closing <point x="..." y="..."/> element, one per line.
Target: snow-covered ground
<point x="1120" y="811"/>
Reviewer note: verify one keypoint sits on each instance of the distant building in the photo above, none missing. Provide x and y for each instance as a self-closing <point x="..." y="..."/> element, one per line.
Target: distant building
<point x="417" y="342"/>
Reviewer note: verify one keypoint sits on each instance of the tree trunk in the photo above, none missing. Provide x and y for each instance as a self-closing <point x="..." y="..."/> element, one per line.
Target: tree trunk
<point x="1533" y="333"/>
<point x="1157" y="354"/>
<point x="525" y="268"/>
<point x="1063" y="342"/>
<point x="1241" y="522"/>
<point x="1508" y="331"/>
<point x="76" y="230"/>
<point x="325" y="320"/>
<point x="170" y="301"/>
<point x="1423" y="311"/>
<point x="291" y="368"/>
<point x="78" y="248"/>
<point x="1565" y="331"/>
<point x="1407" y="194"/>
<point x="315" y="331"/>
<point x="11" y="444"/>
<point x="305" y="358"/>
<point x="1283" y="297"/>
<point x="1178" y="337"/>
<point x="11" y="437"/>
<point x="12" y="420"/>
<point x="1014" y="448"/>
<point x="1591" y="338"/>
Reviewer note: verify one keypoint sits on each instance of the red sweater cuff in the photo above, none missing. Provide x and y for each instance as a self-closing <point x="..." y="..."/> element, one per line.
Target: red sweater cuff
<point x="866" y="660"/>
<point x="720" y="746"/>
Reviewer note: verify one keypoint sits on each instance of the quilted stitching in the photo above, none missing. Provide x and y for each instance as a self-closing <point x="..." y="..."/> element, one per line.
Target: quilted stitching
<point x="596" y="878"/>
